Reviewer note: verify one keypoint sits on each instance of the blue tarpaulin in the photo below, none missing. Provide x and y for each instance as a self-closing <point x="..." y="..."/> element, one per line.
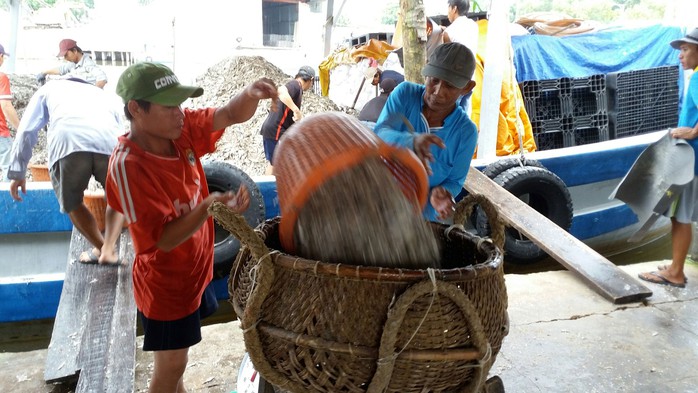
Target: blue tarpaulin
<point x="541" y="57"/>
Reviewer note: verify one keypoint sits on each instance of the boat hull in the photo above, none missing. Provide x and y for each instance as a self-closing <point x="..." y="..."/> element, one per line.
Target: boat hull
<point x="35" y="235"/>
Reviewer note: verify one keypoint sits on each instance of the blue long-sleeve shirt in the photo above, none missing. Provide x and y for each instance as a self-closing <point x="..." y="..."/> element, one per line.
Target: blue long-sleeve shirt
<point x="689" y="113"/>
<point x="458" y="132"/>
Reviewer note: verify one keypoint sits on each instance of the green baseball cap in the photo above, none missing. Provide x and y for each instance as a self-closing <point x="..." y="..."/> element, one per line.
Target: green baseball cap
<point x="154" y="83"/>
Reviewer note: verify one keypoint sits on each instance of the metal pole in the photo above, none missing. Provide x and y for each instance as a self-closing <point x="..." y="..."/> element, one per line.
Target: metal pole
<point x="329" y="22"/>
<point x="14" y="26"/>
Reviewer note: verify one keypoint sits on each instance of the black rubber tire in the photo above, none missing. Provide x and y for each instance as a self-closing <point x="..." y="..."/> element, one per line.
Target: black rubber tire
<point x="494" y="169"/>
<point x="542" y="190"/>
<point x="221" y="177"/>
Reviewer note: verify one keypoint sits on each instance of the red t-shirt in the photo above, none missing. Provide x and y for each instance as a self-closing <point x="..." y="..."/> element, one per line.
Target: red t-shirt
<point x="5" y="94"/>
<point x="151" y="191"/>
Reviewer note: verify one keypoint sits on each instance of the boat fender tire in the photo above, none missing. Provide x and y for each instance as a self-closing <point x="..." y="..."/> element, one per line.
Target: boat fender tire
<point x="494" y="169"/>
<point x="222" y="177"/>
<point x="542" y="190"/>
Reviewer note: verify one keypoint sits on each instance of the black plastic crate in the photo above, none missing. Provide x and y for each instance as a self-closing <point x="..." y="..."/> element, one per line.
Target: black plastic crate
<point x="596" y="120"/>
<point x="626" y="124"/>
<point x="583" y="96"/>
<point x="549" y="140"/>
<point x="642" y="101"/>
<point x="542" y="99"/>
<point x="586" y="135"/>
<point x="543" y="126"/>
<point x="554" y="140"/>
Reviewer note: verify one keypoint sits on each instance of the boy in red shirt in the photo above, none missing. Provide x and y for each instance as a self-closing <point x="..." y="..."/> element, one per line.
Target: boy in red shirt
<point x="156" y="180"/>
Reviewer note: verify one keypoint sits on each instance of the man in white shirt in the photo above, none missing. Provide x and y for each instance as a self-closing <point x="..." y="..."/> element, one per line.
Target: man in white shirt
<point x="462" y="29"/>
<point x="77" y="64"/>
<point x="465" y="31"/>
<point x="83" y="125"/>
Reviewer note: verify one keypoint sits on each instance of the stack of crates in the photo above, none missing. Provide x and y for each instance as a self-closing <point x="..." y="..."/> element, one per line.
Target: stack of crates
<point x="643" y="101"/>
<point x="568" y="112"/>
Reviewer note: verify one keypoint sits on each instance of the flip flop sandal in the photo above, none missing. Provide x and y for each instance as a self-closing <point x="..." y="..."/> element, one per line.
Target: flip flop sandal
<point x="665" y="267"/>
<point x="657" y="278"/>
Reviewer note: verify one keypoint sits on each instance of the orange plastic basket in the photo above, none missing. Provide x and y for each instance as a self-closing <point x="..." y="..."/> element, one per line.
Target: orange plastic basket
<point x="321" y="146"/>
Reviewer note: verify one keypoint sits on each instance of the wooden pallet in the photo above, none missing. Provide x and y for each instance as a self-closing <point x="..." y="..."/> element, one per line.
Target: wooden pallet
<point x="598" y="272"/>
<point x="94" y="333"/>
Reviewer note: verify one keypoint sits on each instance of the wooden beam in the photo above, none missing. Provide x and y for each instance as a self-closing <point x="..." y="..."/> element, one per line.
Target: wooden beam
<point x="596" y="271"/>
<point x="94" y="332"/>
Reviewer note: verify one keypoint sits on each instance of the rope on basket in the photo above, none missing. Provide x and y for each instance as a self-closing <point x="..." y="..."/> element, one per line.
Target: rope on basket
<point x="396" y="316"/>
<point x="464" y="209"/>
<point x="264" y="278"/>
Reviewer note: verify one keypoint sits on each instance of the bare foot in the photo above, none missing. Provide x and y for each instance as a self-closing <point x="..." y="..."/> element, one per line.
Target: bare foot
<point x="666" y="267"/>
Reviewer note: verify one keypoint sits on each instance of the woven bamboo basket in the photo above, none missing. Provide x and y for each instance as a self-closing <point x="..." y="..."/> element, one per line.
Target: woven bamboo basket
<point x="324" y="144"/>
<point x="311" y="326"/>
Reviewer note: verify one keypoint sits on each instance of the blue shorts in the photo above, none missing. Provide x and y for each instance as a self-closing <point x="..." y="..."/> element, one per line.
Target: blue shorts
<point x="180" y="333"/>
<point x="269" y="147"/>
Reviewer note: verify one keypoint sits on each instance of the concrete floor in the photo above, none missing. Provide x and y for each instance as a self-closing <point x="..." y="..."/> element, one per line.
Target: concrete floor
<point x="564" y="337"/>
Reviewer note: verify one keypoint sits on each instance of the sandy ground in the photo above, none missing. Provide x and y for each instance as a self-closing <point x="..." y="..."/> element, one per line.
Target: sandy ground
<point x="213" y="365"/>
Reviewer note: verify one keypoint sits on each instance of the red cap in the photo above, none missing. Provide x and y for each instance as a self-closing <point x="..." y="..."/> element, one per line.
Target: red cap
<point x="66" y="45"/>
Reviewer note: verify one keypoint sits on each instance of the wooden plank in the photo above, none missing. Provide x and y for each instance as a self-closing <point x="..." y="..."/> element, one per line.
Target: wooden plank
<point x="94" y="332"/>
<point x="71" y="317"/>
<point x="121" y="362"/>
<point x="94" y="346"/>
<point x="599" y="273"/>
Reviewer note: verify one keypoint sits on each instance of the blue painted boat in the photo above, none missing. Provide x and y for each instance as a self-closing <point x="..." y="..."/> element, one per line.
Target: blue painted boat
<point x="35" y="236"/>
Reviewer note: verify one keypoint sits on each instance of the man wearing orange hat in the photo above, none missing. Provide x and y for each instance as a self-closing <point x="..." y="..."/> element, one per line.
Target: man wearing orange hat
<point x="77" y="65"/>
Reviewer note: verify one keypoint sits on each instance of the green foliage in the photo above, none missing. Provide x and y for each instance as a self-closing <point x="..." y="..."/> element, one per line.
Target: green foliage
<point x="390" y="12"/>
<point x="342" y="21"/>
<point x="36" y="4"/>
<point x="604" y="11"/>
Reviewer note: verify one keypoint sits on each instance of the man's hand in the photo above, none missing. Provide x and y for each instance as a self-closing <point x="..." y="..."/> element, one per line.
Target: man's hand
<point x="237" y="202"/>
<point x="422" y="147"/>
<point x="683" y="133"/>
<point x="443" y="202"/>
<point x="297" y="115"/>
<point x="15" y="185"/>
<point x="263" y="88"/>
<point x="41" y="78"/>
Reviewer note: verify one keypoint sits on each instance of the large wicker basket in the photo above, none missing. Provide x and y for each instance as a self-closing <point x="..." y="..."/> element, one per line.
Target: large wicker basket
<point x="311" y="326"/>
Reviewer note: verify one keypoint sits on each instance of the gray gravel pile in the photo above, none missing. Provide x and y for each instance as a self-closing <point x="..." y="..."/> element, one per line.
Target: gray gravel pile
<point x="23" y="88"/>
<point x="241" y="145"/>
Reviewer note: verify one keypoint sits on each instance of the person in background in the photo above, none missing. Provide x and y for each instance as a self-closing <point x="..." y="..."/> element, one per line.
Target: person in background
<point x="83" y="126"/>
<point x="286" y="112"/>
<point x="157" y="181"/>
<point x="372" y="109"/>
<point x="78" y="64"/>
<point x="462" y="29"/>
<point x="435" y="36"/>
<point x="8" y="114"/>
<point x="685" y="209"/>
<point x="432" y="112"/>
<point x="465" y="31"/>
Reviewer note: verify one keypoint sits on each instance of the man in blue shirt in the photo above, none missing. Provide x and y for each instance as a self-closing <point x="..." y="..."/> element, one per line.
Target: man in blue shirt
<point x="425" y="118"/>
<point x="684" y="210"/>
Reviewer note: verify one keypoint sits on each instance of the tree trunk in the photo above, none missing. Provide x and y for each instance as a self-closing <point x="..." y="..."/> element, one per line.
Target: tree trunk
<point x="414" y="36"/>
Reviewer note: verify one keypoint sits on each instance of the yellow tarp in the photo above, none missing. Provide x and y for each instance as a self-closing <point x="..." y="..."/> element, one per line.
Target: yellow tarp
<point x="509" y="116"/>
<point x="511" y="108"/>
<point x="372" y="49"/>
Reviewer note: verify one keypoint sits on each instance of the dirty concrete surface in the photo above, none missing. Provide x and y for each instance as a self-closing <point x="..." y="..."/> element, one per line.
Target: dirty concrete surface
<point x="564" y="337"/>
